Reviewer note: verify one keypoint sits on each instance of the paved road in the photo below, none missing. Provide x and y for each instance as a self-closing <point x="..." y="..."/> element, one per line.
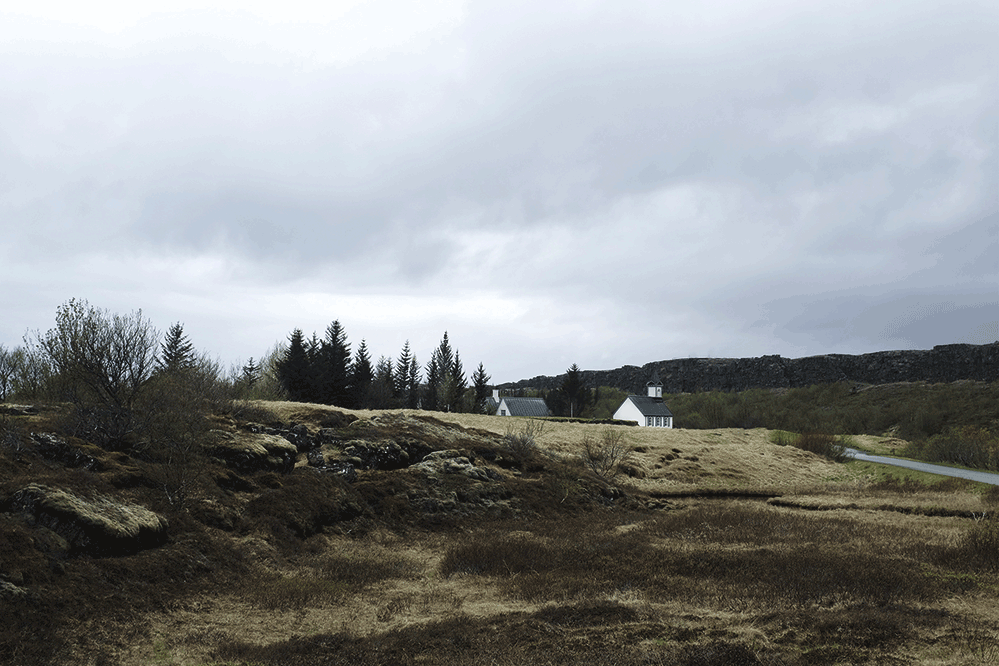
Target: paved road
<point x="972" y="475"/>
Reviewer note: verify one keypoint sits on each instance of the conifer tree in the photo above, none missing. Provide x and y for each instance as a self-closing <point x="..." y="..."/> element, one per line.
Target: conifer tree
<point x="443" y="367"/>
<point x="413" y="385"/>
<point x="480" y="382"/>
<point x="434" y="380"/>
<point x="382" y="394"/>
<point x="250" y="373"/>
<point x="334" y="367"/>
<point x="574" y="390"/>
<point x="401" y="377"/>
<point x="294" y="370"/>
<point x="361" y="376"/>
<point x="457" y="383"/>
<point x="177" y="352"/>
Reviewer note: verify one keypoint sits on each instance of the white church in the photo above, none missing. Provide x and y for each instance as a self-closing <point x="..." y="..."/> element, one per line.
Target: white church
<point x="647" y="410"/>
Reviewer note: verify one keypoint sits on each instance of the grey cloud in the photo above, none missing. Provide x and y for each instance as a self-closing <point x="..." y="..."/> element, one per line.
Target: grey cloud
<point x="738" y="163"/>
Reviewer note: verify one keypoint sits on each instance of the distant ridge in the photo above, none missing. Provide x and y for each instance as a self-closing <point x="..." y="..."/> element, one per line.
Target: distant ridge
<point x="943" y="363"/>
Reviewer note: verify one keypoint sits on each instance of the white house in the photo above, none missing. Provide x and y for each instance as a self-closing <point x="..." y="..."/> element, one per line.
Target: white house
<point x="647" y="410"/>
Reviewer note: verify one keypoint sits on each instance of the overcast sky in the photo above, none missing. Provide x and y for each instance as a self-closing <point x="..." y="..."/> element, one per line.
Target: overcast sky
<point x="601" y="183"/>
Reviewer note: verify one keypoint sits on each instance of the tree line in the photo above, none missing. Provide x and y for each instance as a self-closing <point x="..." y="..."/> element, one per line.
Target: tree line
<point x="324" y="370"/>
<point x="95" y="355"/>
<point x="127" y="388"/>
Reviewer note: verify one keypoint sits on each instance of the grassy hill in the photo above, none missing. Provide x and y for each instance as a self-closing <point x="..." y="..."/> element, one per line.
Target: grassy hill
<point x="304" y="534"/>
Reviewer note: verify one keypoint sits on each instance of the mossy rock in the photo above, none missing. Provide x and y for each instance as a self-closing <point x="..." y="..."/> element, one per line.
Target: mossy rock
<point x="253" y="452"/>
<point x="96" y="526"/>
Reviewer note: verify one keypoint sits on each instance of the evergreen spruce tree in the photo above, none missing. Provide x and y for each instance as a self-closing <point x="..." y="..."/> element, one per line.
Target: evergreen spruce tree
<point x="335" y="367"/>
<point x="444" y="376"/>
<point x="250" y="374"/>
<point x="434" y="380"/>
<point x="480" y="382"/>
<point x="457" y="383"/>
<point x="413" y="384"/>
<point x="382" y="395"/>
<point x="361" y="376"/>
<point x="293" y="370"/>
<point x="574" y="391"/>
<point x="177" y="352"/>
<point x="401" y="377"/>
<point x="314" y="391"/>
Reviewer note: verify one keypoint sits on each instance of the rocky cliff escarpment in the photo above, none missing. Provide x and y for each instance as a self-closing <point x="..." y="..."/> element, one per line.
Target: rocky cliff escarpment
<point x="943" y="363"/>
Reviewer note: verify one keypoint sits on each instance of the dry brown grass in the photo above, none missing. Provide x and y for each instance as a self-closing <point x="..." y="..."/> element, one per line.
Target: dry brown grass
<point x="724" y="581"/>
<point x="668" y="460"/>
<point x="844" y="567"/>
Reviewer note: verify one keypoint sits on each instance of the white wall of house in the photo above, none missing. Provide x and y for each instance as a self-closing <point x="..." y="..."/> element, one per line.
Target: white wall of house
<point x="503" y="410"/>
<point x="628" y="412"/>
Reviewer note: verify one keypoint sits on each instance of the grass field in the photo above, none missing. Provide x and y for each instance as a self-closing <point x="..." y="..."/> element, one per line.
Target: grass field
<point x="705" y="547"/>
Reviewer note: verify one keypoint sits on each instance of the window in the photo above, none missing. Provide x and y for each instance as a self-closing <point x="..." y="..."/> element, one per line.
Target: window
<point x="648" y="420"/>
<point x="659" y="422"/>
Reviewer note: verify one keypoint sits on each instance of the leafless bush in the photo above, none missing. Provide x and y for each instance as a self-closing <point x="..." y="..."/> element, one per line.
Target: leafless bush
<point x="9" y="362"/>
<point x="33" y="377"/>
<point x="522" y="445"/>
<point x="823" y="445"/>
<point x="9" y="437"/>
<point x="102" y="362"/>
<point x="605" y="457"/>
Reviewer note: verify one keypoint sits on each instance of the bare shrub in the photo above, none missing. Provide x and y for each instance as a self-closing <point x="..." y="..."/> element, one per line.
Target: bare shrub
<point x="522" y="445"/>
<point x="175" y="406"/>
<point x="970" y="446"/>
<point x="33" y="375"/>
<point x="103" y="361"/>
<point x="10" y="438"/>
<point x="9" y="362"/>
<point x="605" y="458"/>
<point x="823" y="445"/>
<point x="301" y="506"/>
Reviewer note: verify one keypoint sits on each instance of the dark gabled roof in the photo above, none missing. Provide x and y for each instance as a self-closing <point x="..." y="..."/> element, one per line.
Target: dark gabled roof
<point x="526" y="406"/>
<point x="650" y="406"/>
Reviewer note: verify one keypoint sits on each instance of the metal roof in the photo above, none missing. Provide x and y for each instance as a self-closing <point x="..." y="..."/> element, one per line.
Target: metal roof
<point x="650" y="406"/>
<point x="526" y="406"/>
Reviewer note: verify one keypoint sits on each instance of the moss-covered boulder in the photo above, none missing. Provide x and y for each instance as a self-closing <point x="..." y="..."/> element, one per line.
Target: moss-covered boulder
<point x="253" y="452"/>
<point x="96" y="526"/>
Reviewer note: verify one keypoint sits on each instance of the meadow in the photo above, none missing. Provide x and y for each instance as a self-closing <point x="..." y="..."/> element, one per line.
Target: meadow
<point x="586" y="544"/>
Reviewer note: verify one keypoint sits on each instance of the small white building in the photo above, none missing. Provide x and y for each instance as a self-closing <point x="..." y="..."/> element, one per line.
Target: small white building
<point x="647" y="410"/>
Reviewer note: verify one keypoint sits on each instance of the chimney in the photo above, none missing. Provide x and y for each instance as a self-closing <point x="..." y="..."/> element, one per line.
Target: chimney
<point x="496" y="395"/>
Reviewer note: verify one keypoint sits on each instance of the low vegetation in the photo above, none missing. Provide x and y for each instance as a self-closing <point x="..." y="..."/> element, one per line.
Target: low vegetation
<point x="914" y="412"/>
<point x="212" y="531"/>
<point x="584" y="544"/>
<point x="827" y="446"/>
